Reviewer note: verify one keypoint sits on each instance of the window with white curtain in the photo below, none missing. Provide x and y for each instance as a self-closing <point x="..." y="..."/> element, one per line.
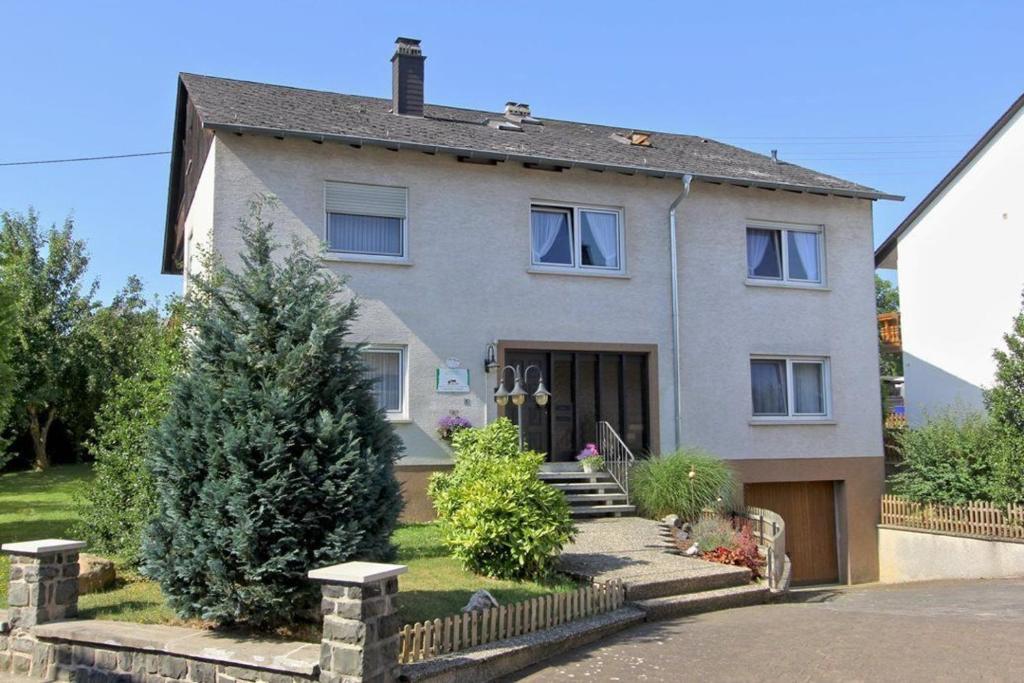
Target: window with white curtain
<point x="577" y="238"/>
<point x="785" y="254"/>
<point x="793" y="387"/>
<point x="385" y="367"/>
<point x="365" y="220"/>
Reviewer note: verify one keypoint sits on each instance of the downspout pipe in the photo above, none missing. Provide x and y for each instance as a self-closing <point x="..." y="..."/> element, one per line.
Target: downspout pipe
<point x="677" y="370"/>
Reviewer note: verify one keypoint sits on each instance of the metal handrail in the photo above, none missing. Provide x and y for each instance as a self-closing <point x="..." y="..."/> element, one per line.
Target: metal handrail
<point x="618" y="459"/>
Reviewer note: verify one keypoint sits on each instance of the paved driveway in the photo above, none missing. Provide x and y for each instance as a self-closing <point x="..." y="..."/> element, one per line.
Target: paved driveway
<point x="915" y="632"/>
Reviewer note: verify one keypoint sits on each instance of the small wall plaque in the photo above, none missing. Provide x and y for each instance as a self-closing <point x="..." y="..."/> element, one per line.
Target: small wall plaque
<point x="452" y="380"/>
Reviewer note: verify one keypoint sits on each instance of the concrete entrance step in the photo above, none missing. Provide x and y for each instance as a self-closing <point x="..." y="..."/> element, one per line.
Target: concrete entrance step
<point x="574" y="476"/>
<point x="670" y="606"/>
<point x="607" y="498"/>
<point x="714" y="578"/>
<point x="609" y="485"/>
<point x="598" y="510"/>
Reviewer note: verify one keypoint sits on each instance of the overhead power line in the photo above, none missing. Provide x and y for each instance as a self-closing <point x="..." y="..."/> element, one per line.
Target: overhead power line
<point x="65" y="161"/>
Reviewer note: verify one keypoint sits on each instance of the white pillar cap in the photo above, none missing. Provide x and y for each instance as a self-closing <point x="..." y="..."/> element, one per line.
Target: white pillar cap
<point x="47" y="546"/>
<point x="359" y="573"/>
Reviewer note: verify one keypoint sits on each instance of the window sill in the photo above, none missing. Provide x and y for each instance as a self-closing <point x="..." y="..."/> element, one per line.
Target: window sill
<point x="399" y="419"/>
<point x="614" y="275"/>
<point x="335" y="257"/>
<point x="791" y="421"/>
<point x="750" y="282"/>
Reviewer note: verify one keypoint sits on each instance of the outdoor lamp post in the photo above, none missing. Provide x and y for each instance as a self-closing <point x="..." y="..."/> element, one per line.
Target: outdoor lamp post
<point x="518" y="394"/>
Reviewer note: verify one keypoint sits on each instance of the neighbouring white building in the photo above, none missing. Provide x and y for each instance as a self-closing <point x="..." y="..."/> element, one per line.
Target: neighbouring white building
<point x="960" y="262"/>
<point x="676" y="290"/>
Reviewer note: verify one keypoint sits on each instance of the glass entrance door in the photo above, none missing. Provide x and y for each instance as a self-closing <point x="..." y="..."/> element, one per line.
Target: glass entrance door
<point x="586" y="387"/>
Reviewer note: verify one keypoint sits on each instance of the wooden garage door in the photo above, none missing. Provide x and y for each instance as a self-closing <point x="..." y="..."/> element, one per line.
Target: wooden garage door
<point x="809" y="509"/>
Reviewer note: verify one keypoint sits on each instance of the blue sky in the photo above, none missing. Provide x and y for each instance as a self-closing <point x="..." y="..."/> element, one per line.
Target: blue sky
<point x="889" y="94"/>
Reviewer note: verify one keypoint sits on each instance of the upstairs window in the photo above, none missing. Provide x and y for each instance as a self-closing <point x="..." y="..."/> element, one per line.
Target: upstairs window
<point x="789" y="387"/>
<point x="576" y="238"/>
<point x="785" y="254"/>
<point x="366" y="220"/>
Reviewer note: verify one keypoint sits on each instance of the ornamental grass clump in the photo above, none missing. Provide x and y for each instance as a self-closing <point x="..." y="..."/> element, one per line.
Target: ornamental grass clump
<point x="681" y="483"/>
<point x="497" y="517"/>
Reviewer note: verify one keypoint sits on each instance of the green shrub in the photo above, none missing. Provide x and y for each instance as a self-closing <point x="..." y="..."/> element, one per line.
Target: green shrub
<point x="121" y="498"/>
<point x="713" y="533"/>
<point x="497" y="518"/>
<point x="955" y="458"/>
<point x="274" y="457"/>
<point x="663" y="486"/>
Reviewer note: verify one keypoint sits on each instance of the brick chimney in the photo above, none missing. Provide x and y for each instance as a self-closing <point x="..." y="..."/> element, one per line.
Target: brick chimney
<point x="407" y="77"/>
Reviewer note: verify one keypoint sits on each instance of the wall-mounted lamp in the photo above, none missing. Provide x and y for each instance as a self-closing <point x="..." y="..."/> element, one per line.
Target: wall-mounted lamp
<point x="490" y="359"/>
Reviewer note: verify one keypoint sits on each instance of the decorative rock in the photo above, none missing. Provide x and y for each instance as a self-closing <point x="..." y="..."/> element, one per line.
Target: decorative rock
<point x="95" y="573"/>
<point x="480" y="601"/>
<point x="692" y="551"/>
<point x="673" y="521"/>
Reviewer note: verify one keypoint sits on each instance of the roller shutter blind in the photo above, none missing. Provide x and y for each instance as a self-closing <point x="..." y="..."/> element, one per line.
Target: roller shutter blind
<point x="365" y="200"/>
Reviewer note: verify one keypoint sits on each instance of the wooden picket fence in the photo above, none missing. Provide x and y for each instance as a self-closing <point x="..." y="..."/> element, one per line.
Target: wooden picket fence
<point x="462" y="631"/>
<point x="977" y="518"/>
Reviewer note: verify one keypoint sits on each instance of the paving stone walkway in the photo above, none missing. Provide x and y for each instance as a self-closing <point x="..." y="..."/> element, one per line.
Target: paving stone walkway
<point x="936" y="631"/>
<point x="635" y="551"/>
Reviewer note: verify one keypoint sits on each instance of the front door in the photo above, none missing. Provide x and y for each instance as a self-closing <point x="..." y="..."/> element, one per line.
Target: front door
<point x="586" y="387"/>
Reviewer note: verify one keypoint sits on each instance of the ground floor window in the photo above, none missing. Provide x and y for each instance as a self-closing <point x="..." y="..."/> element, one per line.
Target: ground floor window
<point x="796" y="387"/>
<point x="385" y="366"/>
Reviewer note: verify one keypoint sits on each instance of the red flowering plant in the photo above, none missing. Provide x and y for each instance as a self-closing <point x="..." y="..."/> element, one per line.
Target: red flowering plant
<point x="741" y="552"/>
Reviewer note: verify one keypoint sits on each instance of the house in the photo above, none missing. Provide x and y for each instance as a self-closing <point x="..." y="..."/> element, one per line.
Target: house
<point x="668" y="289"/>
<point x="958" y="258"/>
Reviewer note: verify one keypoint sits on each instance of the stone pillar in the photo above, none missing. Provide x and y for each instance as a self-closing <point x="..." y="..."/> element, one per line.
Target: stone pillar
<point x="44" y="581"/>
<point x="360" y="635"/>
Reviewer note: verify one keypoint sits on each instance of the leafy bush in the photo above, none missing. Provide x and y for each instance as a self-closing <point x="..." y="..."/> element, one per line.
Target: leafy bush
<point x="274" y="457"/>
<point x="497" y="518"/>
<point x="663" y="486"/>
<point x="952" y="459"/>
<point x="711" y="533"/>
<point x="121" y="498"/>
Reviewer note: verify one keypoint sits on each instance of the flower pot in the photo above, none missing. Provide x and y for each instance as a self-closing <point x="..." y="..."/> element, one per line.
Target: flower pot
<point x="590" y="466"/>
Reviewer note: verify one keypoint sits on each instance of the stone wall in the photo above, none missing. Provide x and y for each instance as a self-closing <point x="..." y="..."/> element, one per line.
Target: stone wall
<point x="41" y="639"/>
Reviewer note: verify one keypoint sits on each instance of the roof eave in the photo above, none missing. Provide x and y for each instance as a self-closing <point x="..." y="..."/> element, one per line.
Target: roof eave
<point x="168" y="265"/>
<point x="526" y="158"/>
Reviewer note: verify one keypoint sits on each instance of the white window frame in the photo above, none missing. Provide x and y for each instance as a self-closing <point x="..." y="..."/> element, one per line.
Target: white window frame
<point x="577" y="266"/>
<point x="785" y="280"/>
<point x="401" y="415"/>
<point x="338" y="255"/>
<point x="791" y="415"/>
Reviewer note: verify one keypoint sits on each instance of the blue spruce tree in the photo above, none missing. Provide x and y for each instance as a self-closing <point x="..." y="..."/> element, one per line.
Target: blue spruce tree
<point x="273" y="458"/>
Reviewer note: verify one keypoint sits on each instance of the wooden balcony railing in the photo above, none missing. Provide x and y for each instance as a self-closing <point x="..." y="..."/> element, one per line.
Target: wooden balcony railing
<point x="889" y="330"/>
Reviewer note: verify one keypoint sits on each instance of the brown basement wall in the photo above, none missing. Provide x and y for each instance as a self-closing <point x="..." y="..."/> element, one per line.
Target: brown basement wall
<point x="414" y="480"/>
<point x="858" y="494"/>
<point x="859" y="488"/>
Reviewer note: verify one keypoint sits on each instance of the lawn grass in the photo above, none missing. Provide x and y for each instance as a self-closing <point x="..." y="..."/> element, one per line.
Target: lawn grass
<point x="35" y="505"/>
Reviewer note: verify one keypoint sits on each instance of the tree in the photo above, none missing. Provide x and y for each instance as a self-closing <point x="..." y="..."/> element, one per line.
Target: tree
<point x="274" y="457"/>
<point x="115" y="342"/>
<point x="887" y="297"/>
<point x="121" y="498"/>
<point x="887" y="300"/>
<point x="52" y="302"/>
<point x="8" y="328"/>
<point x="1005" y="404"/>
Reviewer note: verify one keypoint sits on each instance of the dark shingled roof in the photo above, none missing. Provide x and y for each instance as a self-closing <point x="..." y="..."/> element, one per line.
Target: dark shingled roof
<point x="243" y="106"/>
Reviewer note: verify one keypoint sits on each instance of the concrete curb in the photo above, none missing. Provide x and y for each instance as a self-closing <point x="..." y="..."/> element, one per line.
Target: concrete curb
<point x="504" y="657"/>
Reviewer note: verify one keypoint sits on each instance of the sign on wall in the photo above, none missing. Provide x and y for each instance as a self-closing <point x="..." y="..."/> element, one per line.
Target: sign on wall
<point x="453" y="380"/>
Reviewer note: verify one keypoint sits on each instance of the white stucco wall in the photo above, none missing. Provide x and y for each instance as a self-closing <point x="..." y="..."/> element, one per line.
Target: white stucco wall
<point x="468" y="285"/>
<point x="921" y="556"/>
<point x="960" y="280"/>
<point x="200" y="217"/>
